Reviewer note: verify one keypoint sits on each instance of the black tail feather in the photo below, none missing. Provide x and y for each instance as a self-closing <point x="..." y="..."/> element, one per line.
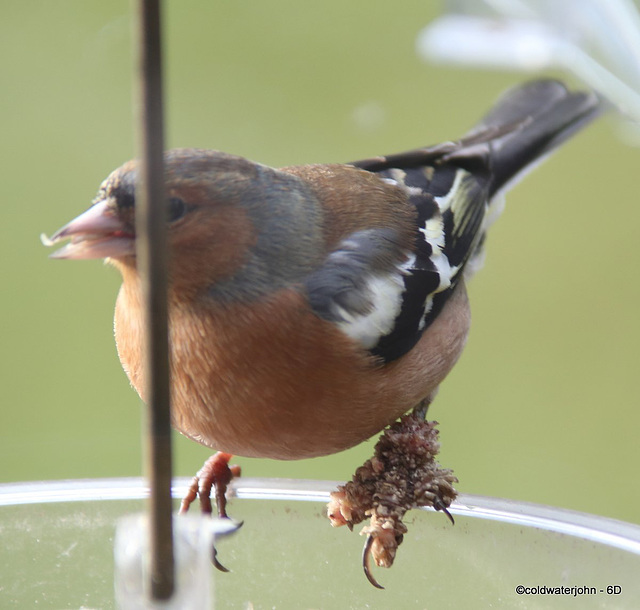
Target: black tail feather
<point x="526" y="124"/>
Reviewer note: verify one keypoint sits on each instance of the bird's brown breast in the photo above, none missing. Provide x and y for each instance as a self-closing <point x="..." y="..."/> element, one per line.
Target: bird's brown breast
<point x="272" y="380"/>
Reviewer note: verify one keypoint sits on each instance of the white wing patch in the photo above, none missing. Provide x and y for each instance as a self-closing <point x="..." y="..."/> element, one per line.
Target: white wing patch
<point x="434" y="234"/>
<point x="385" y="292"/>
<point x="453" y="196"/>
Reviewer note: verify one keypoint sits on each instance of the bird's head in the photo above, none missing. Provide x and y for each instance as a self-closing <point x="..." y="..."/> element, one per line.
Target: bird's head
<point x="222" y="212"/>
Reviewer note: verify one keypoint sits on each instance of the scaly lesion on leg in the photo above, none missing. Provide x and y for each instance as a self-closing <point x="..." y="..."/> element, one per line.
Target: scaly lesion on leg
<point x="402" y="474"/>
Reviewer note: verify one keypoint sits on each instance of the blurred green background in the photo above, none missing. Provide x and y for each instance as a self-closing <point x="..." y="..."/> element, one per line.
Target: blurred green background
<point x="543" y="405"/>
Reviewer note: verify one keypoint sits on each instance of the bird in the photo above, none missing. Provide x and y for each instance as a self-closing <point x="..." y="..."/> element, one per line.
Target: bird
<point x="311" y="306"/>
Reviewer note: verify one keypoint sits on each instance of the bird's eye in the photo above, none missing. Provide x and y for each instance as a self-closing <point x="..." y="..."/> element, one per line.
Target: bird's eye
<point x="176" y="209"/>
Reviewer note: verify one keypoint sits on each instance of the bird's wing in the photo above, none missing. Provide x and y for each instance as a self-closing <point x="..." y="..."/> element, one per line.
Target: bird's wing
<point x="384" y="295"/>
<point x="451" y="203"/>
<point x="453" y="188"/>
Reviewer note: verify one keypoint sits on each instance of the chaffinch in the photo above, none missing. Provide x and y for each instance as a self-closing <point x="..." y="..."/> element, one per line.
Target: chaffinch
<point x="311" y="306"/>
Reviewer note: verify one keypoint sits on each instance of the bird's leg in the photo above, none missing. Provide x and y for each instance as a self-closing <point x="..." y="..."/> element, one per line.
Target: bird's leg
<point x="403" y="474"/>
<point x="215" y="473"/>
<point x="420" y="410"/>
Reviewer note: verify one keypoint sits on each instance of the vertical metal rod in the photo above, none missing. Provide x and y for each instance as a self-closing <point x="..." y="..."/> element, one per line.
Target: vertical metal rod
<point x="152" y="267"/>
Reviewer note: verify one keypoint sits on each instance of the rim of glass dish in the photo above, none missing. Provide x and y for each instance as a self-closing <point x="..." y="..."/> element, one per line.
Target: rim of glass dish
<point x="611" y="532"/>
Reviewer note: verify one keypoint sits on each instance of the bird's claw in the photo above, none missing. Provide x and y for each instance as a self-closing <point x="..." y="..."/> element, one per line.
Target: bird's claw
<point x="438" y="504"/>
<point x="214" y="560"/>
<point x="366" y="562"/>
<point x="214" y="552"/>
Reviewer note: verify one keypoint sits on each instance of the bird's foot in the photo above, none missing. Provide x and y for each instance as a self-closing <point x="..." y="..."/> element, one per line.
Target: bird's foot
<point x="216" y="473"/>
<point x="402" y="475"/>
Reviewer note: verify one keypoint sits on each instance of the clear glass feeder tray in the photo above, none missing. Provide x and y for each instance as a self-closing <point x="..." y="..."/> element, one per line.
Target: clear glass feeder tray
<point x="57" y="552"/>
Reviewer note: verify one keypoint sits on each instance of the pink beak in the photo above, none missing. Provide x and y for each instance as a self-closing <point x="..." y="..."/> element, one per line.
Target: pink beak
<point x="96" y="233"/>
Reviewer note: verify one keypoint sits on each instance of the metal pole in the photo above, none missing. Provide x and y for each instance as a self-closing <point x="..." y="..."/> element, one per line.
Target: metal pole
<point x="152" y="267"/>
